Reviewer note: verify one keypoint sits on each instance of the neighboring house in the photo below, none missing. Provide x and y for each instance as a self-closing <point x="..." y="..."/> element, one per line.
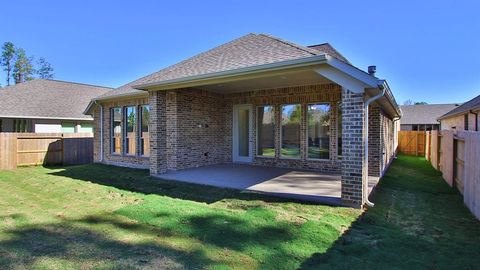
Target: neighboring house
<point x="42" y="106"/>
<point x="464" y="117"/>
<point x="423" y="117"/>
<point x="259" y="100"/>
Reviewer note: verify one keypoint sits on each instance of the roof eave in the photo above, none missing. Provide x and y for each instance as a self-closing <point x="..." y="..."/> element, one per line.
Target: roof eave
<point x="447" y="115"/>
<point x="45" y="117"/>
<point x="300" y="62"/>
<point x="113" y="97"/>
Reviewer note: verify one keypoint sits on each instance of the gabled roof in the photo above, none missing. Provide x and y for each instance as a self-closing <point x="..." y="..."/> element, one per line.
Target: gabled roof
<point x="253" y="56"/>
<point x="247" y="51"/>
<point x="330" y="50"/>
<point x="473" y="104"/>
<point x="41" y="98"/>
<point x="424" y="114"/>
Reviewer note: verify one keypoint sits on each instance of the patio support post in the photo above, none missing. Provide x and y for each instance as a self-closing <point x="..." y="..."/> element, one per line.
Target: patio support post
<point x="171" y="111"/>
<point x="353" y="169"/>
<point x="158" y="145"/>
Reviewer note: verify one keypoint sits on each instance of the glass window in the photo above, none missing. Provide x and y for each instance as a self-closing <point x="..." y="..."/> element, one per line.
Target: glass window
<point x="86" y="127"/>
<point x="466" y="121"/>
<point x="144" y="143"/>
<point x="318" y="120"/>
<point x="68" y="127"/>
<point x="339" y="130"/>
<point x="116" y="132"/>
<point x="20" y="125"/>
<point x="130" y="130"/>
<point x="266" y="131"/>
<point x="291" y="118"/>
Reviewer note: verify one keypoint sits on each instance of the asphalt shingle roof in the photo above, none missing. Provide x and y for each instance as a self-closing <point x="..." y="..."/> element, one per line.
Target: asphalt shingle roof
<point x="246" y="51"/>
<point x="330" y="50"/>
<point x="48" y="98"/>
<point x="424" y="114"/>
<point x="465" y="107"/>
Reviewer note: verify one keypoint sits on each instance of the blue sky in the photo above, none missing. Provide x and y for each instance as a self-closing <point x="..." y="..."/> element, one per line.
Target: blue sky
<point x="427" y="50"/>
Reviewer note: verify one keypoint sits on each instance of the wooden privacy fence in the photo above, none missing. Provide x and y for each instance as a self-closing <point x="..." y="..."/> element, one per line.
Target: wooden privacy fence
<point x="26" y="149"/>
<point x="457" y="156"/>
<point x="411" y="142"/>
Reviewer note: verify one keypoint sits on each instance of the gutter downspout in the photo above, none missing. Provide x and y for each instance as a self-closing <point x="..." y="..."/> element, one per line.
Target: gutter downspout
<point x="367" y="103"/>
<point x="101" y="130"/>
<point x="476" y="119"/>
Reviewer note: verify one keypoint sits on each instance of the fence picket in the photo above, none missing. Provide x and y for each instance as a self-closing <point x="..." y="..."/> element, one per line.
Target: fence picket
<point x="25" y="149"/>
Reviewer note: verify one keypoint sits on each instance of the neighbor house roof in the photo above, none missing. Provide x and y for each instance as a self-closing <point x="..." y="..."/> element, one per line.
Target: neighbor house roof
<point x="52" y="99"/>
<point x="246" y="51"/>
<point x="473" y="104"/>
<point x="424" y="114"/>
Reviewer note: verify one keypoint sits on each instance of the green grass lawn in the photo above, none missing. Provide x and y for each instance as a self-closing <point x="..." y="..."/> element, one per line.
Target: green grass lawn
<point x="102" y="217"/>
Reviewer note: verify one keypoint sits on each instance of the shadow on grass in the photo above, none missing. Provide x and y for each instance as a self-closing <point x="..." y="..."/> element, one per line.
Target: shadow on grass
<point x="137" y="180"/>
<point x="418" y="222"/>
<point x="106" y="242"/>
<point x="69" y="244"/>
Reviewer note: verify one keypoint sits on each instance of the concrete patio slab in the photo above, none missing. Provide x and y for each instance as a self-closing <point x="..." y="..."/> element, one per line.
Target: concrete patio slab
<point x="304" y="185"/>
<point x="297" y="184"/>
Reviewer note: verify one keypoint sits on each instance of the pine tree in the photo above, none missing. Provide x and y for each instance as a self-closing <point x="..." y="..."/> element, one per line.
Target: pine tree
<point x="44" y="70"/>
<point x="23" y="68"/>
<point x="6" y="60"/>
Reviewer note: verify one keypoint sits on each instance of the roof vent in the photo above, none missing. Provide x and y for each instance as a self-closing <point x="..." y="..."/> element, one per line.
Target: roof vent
<point x="372" y="70"/>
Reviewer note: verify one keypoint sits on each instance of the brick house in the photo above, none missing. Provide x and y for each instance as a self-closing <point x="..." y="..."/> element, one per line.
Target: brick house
<point x="463" y="117"/>
<point x="258" y="100"/>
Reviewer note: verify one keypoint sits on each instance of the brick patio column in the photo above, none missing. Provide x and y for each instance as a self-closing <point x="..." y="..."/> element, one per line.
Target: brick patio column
<point x="353" y="169"/>
<point x="158" y="145"/>
<point x="171" y="111"/>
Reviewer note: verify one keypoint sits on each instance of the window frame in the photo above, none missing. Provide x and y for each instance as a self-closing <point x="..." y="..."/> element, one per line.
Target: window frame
<point x="124" y="130"/>
<point x="329" y="137"/>
<point x="274" y="131"/>
<point x="465" y="121"/>
<point x="112" y="131"/>
<point x="300" y="129"/>
<point x="139" y="131"/>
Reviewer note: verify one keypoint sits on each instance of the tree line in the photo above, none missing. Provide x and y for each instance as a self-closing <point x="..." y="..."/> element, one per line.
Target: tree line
<point x="19" y="67"/>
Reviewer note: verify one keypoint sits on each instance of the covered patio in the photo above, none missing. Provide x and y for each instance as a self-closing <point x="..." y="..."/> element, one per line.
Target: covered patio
<point x="296" y="184"/>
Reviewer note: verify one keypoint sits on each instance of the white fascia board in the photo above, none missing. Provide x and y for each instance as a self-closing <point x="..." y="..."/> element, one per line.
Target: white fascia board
<point x="369" y="80"/>
<point x="342" y="79"/>
<point x="236" y="73"/>
<point x="46" y="117"/>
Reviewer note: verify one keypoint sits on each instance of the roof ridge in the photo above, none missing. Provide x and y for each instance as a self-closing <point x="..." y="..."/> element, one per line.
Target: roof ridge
<point x="183" y="61"/>
<point x="294" y="45"/>
<point x="86" y="84"/>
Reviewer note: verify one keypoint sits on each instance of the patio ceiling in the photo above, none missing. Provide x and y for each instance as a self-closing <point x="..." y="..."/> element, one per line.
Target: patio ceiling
<point x="276" y="80"/>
